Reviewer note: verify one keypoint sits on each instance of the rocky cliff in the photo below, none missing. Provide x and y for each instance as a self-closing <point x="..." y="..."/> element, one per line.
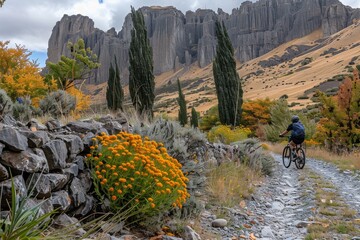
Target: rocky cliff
<point x="179" y="40"/>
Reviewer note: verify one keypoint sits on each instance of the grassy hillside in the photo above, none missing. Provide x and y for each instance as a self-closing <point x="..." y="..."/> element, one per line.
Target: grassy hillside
<point x="296" y="69"/>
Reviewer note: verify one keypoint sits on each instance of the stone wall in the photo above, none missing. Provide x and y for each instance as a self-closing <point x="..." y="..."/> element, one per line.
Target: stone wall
<point x="48" y="161"/>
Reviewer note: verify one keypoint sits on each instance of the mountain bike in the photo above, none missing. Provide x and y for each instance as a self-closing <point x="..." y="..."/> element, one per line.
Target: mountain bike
<point x="296" y="155"/>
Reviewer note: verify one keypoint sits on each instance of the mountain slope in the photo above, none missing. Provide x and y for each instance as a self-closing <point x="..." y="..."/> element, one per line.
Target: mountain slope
<point x="179" y="40"/>
<point x="294" y="69"/>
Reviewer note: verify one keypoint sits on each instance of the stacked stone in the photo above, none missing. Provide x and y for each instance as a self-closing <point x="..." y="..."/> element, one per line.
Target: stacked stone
<point x="47" y="162"/>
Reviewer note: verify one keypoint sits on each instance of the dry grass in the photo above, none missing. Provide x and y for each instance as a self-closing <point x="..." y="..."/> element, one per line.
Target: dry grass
<point x="332" y="216"/>
<point x="229" y="183"/>
<point x="344" y="162"/>
<point x="348" y="161"/>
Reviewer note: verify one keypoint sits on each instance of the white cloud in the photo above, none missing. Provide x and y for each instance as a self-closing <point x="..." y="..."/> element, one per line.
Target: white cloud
<point x="30" y="22"/>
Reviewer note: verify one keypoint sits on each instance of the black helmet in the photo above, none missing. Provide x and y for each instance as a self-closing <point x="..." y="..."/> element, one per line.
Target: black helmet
<point x="295" y="118"/>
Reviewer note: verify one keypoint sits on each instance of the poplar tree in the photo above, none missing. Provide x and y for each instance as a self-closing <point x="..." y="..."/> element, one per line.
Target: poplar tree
<point x="227" y="81"/>
<point x="194" y="118"/>
<point x="141" y="77"/>
<point x="182" y="106"/>
<point x="114" y="91"/>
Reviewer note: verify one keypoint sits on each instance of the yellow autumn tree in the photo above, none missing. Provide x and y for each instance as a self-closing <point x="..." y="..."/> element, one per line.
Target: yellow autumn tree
<point x="19" y="76"/>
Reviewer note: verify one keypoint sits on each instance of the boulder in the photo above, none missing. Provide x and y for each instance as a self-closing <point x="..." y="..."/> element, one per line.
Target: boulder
<point x="71" y="170"/>
<point x="6" y="186"/>
<point x="13" y="140"/>
<point x="77" y="192"/>
<point x="36" y="139"/>
<point x="84" y="127"/>
<point x="56" y="154"/>
<point x="25" y="161"/>
<point x="85" y="208"/>
<point x="73" y="143"/>
<point x="44" y="184"/>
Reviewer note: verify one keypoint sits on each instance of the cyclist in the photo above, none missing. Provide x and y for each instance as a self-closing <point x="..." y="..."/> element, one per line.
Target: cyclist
<point x="297" y="132"/>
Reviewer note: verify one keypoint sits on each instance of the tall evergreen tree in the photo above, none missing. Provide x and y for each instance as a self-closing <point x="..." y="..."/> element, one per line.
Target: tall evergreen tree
<point x="114" y="91"/>
<point x="194" y="118"/>
<point x="182" y="106"/>
<point x="227" y="81"/>
<point x="141" y="77"/>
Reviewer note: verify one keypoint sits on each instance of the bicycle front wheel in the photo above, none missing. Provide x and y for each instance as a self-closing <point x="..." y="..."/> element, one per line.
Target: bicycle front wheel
<point x="286" y="156"/>
<point x="300" y="161"/>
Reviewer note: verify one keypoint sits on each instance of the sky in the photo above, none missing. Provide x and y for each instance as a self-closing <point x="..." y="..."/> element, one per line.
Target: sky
<point x="30" y="22"/>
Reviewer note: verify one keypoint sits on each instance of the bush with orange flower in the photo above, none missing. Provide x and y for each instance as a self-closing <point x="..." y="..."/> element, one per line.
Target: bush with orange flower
<point x="137" y="175"/>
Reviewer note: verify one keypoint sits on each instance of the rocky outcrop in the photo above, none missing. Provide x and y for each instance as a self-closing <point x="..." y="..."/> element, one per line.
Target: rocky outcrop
<point x="179" y="40"/>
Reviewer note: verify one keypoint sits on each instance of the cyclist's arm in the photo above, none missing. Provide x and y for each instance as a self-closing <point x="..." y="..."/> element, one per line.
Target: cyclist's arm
<point x="283" y="133"/>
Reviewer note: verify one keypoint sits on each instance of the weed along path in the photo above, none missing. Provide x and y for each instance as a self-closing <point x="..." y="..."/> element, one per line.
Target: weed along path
<point x="347" y="182"/>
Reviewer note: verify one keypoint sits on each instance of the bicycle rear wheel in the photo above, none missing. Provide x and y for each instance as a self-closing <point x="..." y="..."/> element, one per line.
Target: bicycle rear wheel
<point x="300" y="160"/>
<point x="286" y="156"/>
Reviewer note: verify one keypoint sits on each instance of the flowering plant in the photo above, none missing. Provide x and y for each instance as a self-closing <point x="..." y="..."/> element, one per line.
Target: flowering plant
<point x="136" y="174"/>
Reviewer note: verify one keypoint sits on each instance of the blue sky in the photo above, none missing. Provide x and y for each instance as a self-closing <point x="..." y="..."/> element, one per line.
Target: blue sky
<point x="30" y="23"/>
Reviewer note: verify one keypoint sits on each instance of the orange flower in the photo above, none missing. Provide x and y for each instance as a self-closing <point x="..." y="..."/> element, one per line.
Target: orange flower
<point x="123" y="180"/>
<point x="152" y="205"/>
<point x="111" y="189"/>
<point x="113" y="198"/>
<point x="150" y="199"/>
<point x="119" y="191"/>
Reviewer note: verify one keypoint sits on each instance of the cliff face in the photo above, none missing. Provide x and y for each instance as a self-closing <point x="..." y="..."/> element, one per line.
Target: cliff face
<point x="179" y="40"/>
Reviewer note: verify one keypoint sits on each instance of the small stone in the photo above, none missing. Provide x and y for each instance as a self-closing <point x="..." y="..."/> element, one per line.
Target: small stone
<point x="190" y="234"/>
<point x="53" y="124"/>
<point x="277" y="206"/>
<point x="63" y="221"/>
<point x="61" y="200"/>
<point x="218" y="223"/>
<point x="267" y="232"/>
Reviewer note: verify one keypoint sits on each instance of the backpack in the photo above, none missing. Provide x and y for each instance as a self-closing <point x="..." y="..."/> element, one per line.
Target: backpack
<point x="298" y="129"/>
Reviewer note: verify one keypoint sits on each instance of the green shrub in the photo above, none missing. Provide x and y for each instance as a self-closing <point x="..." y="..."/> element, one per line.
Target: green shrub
<point x="253" y="155"/>
<point x="5" y="102"/>
<point x="226" y="135"/>
<point x="137" y="175"/>
<point x="22" y="111"/>
<point x="210" y="119"/>
<point x="58" y="103"/>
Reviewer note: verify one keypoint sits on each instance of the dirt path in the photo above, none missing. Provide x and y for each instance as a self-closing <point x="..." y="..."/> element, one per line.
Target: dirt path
<point x="318" y="202"/>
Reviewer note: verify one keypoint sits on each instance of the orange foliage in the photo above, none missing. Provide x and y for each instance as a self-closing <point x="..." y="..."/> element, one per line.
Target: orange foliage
<point x="256" y="112"/>
<point x="19" y="76"/>
<point x="82" y="100"/>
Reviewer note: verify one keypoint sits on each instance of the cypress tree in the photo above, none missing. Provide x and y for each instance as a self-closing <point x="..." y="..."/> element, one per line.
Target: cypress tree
<point x="227" y="81"/>
<point x="141" y="77"/>
<point x="114" y="91"/>
<point x="194" y="118"/>
<point x="182" y="106"/>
